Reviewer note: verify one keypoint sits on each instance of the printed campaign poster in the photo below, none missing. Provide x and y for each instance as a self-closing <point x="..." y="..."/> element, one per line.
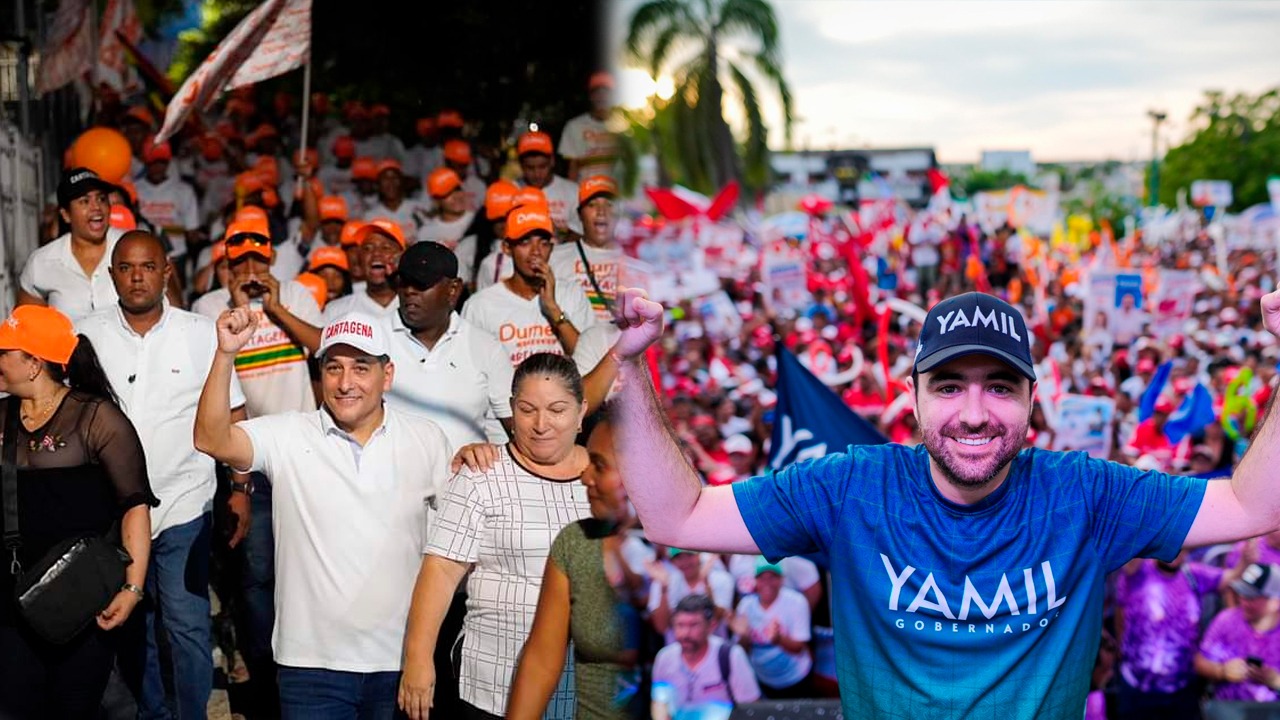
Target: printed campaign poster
<point x="785" y="274"/>
<point x="1084" y="423"/>
<point x="1211" y="193"/>
<point x="1173" y="301"/>
<point x="719" y="315"/>
<point x="1113" y="301"/>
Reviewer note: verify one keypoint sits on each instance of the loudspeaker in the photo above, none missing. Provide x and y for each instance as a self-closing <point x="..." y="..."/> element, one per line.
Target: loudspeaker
<point x="789" y="710"/>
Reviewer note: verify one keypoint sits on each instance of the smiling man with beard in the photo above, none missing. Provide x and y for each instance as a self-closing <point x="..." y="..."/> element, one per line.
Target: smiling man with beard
<point x="968" y="573"/>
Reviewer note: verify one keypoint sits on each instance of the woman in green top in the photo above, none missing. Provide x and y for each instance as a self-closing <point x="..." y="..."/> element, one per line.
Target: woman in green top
<point x="589" y="595"/>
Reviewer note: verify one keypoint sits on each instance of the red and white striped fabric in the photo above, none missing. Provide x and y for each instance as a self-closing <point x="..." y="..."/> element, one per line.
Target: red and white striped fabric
<point x="270" y="41"/>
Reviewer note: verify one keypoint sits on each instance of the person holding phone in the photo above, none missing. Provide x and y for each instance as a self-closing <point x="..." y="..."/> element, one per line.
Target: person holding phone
<point x="1241" y="649"/>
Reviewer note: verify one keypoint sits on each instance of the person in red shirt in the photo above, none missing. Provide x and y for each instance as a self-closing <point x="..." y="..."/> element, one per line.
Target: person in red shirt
<point x="1149" y="438"/>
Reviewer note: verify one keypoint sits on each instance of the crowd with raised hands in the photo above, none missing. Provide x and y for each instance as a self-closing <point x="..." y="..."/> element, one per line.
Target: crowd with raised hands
<point x="362" y="399"/>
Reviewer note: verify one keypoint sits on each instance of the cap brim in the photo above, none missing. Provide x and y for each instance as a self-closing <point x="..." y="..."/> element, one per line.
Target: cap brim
<point x="602" y="193"/>
<point x="947" y="354"/>
<point x="87" y="186"/>
<point x="324" y="349"/>
<point x="1244" y="589"/>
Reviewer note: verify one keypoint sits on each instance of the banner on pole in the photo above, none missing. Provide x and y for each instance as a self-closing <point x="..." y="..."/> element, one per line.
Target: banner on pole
<point x="119" y="25"/>
<point x="270" y="41"/>
<point x="69" y="52"/>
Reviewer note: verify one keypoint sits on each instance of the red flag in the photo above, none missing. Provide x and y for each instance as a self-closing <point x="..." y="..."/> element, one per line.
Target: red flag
<point x="273" y="39"/>
<point x="937" y="180"/>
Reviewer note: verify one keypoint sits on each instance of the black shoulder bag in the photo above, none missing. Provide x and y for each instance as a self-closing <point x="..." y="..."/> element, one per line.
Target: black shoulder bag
<point x="62" y="593"/>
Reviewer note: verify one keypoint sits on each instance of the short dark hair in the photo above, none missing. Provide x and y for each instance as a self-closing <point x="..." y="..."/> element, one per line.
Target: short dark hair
<point x="550" y="364"/>
<point x="696" y="604"/>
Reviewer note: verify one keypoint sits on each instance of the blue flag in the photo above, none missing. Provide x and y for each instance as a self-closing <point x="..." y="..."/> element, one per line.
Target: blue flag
<point x="1192" y="415"/>
<point x="811" y="420"/>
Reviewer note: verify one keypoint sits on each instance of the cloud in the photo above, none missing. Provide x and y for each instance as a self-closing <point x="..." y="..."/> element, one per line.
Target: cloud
<point x="1065" y="79"/>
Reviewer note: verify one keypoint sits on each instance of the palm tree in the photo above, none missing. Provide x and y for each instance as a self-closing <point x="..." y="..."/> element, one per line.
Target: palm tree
<point x="700" y="36"/>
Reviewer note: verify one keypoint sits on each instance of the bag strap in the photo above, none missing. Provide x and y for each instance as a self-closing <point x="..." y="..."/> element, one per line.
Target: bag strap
<point x="725" y="648"/>
<point x="586" y="264"/>
<point x="9" y="480"/>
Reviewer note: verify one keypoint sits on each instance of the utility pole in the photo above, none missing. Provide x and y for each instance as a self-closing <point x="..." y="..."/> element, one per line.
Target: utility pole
<point x="1157" y="117"/>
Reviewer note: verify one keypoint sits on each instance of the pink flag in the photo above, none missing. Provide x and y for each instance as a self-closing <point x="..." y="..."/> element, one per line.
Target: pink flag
<point x="270" y="41"/>
<point x="112" y="70"/>
<point x="69" y="52"/>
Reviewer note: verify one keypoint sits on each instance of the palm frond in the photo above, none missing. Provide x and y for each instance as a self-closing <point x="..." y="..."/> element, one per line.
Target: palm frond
<point x="755" y="144"/>
<point x="754" y="19"/>
<point x="651" y="18"/>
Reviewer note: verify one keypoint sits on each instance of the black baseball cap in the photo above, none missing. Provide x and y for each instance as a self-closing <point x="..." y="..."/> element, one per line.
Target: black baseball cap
<point x="78" y="182"/>
<point x="1258" y="580"/>
<point x="975" y="323"/>
<point x="426" y="263"/>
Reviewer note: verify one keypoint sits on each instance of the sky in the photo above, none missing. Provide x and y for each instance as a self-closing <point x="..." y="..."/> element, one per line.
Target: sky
<point x="1067" y="80"/>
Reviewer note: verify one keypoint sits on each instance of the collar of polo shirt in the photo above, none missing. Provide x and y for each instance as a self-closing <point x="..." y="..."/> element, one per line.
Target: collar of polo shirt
<point x="331" y="427"/>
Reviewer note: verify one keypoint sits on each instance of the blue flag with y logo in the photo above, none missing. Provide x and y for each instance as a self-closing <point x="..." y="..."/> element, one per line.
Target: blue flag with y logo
<point x="811" y="420"/>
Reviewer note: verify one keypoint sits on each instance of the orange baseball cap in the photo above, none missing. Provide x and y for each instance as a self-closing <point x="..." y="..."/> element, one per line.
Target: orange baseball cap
<point x="316" y="285"/>
<point x="389" y="164"/>
<point x="248" y="236"/>
<point x="529" y="219"/>
<point x="122" y="218"/>
<point x="350" y="233"/>
<point x="535" y="142"/>
<point x="594" y="187"/>
<point x="41" y="332"/>
<point x="457" y="152"/>
<point x="311" y="156"/>
<point x="387" y="227"/>
<point x="129" y="189"/>
<point x="450" y="119"/>
<point x="141" y="114"/>
<point x="529" y="196"/>
<point x="262" y="132"/>
<point x="328" y="256"/>
<point x="499" y="199"/>
<point x="364" y="168"/>
<point x="380" y="109"/>
<point x="218" y="251"/>
<point x="156" y="152"/>
<point x="344" y="147"/>
<point x="333" y="207"/>
<point x="600" y="80"/>
<point x="442" y="181"/>
<point x="425" y="126"/>
<point x="211" y="147"/>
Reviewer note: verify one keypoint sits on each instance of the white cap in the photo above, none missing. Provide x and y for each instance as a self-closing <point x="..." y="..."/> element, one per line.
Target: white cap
<point x="357" y="330"/>
<point x="738" y="443"/>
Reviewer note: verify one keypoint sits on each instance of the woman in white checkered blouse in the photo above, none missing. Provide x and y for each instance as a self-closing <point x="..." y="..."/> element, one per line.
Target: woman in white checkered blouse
<point x="499" y="524"/>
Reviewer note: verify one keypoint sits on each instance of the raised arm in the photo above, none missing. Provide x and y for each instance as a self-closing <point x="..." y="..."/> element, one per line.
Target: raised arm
<point x="1248" y="505"/>
<point x="673" y="506"/>
<point x="215" y="434"/>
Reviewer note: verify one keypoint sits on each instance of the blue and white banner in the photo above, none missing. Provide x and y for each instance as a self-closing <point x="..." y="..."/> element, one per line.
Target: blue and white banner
<point x="810" y="420"/>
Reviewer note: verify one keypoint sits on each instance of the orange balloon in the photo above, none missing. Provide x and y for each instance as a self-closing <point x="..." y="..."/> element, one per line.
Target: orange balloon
<point x="104" y="151"/>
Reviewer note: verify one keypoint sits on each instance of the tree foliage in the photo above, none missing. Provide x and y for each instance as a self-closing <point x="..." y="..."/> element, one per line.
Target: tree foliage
<point x="710" y="48"/>
<point x="1236" y="138"/>
<point x="978" y="180"/>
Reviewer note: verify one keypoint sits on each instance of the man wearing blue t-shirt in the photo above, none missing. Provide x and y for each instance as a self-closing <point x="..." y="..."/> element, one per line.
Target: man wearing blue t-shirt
<point x="967" y="574"/>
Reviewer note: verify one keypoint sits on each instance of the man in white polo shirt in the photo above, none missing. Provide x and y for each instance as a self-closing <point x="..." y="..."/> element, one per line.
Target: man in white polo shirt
<point x="447" y="369"/>
<point x="70" y="273"/>
<point x="530" y="312"/>
<point x="381" y="241"/>
<point x="157" y="358"/>
<point x="353" y="484"/>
